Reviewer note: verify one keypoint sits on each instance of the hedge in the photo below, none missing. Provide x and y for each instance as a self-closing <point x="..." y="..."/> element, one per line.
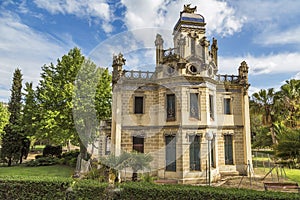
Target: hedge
<point x="50" y="188"/>
<point x="182" y="192"/>
<point x="66" y="188"/>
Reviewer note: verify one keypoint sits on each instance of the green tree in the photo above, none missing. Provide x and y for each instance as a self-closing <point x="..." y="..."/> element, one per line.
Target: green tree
<point x="4" y="117"/>
<point x="288" y="146"/>
<point x="29" y="111"/>
<point x="72" y="97"/>
<point x="12" y="137"/>
<point x="289" y="98"/>
<point x="84" y="110"/>
<point x="103" y="96"/>
<point x="54" y="96"/>
<point x="263" y="103"/>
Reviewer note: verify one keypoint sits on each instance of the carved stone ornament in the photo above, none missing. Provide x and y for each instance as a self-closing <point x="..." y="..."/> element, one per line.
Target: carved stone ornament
<point x="119" y="60"/>
<point x="187" y="9"/>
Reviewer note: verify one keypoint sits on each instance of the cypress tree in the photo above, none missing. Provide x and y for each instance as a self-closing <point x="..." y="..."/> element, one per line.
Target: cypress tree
<point x="11" y="139"/>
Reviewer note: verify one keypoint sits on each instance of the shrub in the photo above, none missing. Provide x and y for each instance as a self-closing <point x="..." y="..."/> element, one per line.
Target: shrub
<point x="43" y="161"/>
<point x="140" y="190"/>
<point x="101" y="174"/>
<point x="52" y="151"/>
<point x="70" y="158"/>
<point x="50" y="188"/>
<point x="67" y="188"/>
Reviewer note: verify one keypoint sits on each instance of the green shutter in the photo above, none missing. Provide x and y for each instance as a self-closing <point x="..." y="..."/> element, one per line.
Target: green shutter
<point x="171" y="107"/>
<point x="194" y="107"/>
<point x="170" y="153"/>
<point x="228" y="150"/>
<point x="194" y="152"/>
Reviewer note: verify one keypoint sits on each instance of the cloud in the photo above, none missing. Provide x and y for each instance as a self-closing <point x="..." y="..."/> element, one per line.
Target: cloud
<point x="98" y="9"/>
<point x="253" y="90"/>
<point x="279" y="37"/>
<point x="265" y="64"/>
<point x="262" y="11"/>
<point x="24" y="48"/>
<point x="296" y="76"/>
<point x="219" y="16"/>
<point x="275" y="22"/>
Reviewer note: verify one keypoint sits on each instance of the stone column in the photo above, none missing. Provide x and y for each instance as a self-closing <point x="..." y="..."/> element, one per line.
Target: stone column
<point x="159" y="48"/>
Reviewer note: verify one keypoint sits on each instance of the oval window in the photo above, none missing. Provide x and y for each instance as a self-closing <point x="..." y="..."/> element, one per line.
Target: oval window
<point x="193" y="69"/>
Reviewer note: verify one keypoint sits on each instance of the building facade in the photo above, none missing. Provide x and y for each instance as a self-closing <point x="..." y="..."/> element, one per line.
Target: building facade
<point x="185" y="114"/>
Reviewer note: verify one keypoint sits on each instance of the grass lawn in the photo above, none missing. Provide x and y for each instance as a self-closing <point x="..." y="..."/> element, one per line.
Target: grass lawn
<point x="293" y="174"/>
<point x="50" y="171"/>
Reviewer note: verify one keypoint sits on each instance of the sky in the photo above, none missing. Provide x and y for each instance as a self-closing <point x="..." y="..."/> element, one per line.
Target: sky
<point x="33" y="33"/>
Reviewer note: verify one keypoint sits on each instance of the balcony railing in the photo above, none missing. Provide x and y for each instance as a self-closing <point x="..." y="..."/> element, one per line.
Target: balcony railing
<point x="138" y="75"/>
<point x="227" y="78"/>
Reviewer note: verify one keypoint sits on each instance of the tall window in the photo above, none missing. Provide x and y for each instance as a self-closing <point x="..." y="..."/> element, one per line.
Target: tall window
<point x="194" y="152"/>
<point x="228" y="150"/>
<point x="227" y="106"/>
<point x="138" y="144"/>
<point x="107" y="145"/>
<point x="171" y="109"/>
<point x="138" y="105"/>
<point x="194" y="105"/>
<point x="193" y="41"/>
<point x="212" y="152"/>
<point x="170" y="153"/>
<point x="211" y="106"/>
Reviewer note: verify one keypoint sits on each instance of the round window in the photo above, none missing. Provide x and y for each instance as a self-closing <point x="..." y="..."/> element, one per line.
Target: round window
<point x="193" y="69"/>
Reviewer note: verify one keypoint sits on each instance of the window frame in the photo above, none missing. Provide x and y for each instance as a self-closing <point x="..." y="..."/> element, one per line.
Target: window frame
<point x="138" y="144"/>
<point x="170" y="117"/>
<point x="107" y="145"/>
<point x="196" y="152"/>
<point x="211" y="103"/>
<point x="170" y="144"/>
<point x="197" y="114"/>
<point x="142" y="107"/>
<point x="229" y="159"/>
<point x="227" y="101"/>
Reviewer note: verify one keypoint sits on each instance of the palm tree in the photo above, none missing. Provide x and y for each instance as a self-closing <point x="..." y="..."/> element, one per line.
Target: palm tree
<point x="264" y="103"/>
<point x="289" y="98"/>
<point x="139" y="161"/>
<point x="136" y="161"/>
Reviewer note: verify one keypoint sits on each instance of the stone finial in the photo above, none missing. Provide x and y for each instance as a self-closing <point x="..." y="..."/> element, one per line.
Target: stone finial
<point x="243" y="69"/>
<point x="159" y="48"/>
<point x="158" y="41"/>
<point x="204" y="42"/>
<point x="118" y="60"/>
<point x="214" y="51"/>
<point x="187" y="9"/>
<point x="243" y="75"/>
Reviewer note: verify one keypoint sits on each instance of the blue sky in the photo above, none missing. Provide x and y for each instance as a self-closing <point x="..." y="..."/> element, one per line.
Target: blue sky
<point x="264" y="33"/>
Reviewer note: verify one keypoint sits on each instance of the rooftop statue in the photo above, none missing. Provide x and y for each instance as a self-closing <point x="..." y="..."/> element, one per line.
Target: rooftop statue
<point x="119" y="59"/>
<point x="187" y="9"/>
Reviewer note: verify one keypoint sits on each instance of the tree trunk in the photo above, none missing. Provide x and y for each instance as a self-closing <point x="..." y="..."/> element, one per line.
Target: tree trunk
<point x="274" y="139"/>
<point x="69" y="146"/>
<point x="134" y="176"/>
<point x="21" y="158"/>
<point x="83" y="151"/>
<point x="9" y="162"/>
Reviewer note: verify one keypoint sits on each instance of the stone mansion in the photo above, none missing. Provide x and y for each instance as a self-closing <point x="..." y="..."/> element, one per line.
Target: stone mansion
<point x="185" y="114"/>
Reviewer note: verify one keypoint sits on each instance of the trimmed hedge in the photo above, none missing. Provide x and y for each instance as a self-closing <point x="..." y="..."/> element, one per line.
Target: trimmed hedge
<point x="182" y="192"/>
<point x="50" y="188"/>
<point x="67" y="188"/>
